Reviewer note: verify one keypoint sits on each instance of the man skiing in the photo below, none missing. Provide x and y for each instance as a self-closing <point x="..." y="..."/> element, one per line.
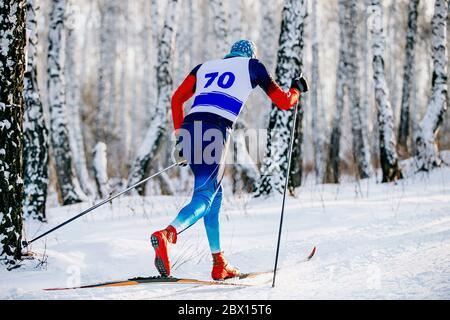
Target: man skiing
<point x="221" y="88"/>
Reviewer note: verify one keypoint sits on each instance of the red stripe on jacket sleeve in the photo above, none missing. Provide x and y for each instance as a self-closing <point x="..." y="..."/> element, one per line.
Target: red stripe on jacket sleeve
<point x="283" y="100"/>
<point x="184" y="92"/>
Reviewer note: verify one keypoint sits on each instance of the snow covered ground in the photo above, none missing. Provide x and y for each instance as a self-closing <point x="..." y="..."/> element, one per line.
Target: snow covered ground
<point x="374" y="241"/>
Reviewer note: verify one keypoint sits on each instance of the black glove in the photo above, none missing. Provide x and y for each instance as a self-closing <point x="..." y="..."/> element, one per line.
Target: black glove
<point x="300" y="83"/>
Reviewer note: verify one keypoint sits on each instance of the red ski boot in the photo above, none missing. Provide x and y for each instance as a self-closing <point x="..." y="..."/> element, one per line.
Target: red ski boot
<point x="160" y="242"/>
<point x="221" y="269"/>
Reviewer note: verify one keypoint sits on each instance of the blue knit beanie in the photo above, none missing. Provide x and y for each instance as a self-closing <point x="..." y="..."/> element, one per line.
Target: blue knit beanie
<point x="243" y="48"/>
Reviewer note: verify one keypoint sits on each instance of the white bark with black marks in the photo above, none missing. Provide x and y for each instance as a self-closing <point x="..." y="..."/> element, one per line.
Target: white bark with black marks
<point x="12" y="69"/>
<point x="68" y="185"/>
<point x="35" y="130"/>
<point x="408" y="75"/>
<point x="427" y="154"/>
<point x="333" y="160"/>
<point x="317" y="123"/>
<point x="289" y="66"/>
<point x="106" y="115"/>
<point x="388" y="152"/>
<point x="73" y="102"/>
<point x="157" y="127"/>
<point x="359" y="138"/>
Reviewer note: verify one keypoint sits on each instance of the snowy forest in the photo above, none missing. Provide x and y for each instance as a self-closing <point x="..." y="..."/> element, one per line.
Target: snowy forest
<point x="86" y="85"/>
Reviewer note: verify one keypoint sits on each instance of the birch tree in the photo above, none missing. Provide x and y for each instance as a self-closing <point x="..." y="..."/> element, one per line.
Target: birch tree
<point x="68" y="185"/>
<point x="388" y="153"/>
<point x="107" y="69"/>
<point x="427" y="154"/>
<point x="289" y="65"/>
<point x="125" y="121"/>
<point x="316" y="123"/>
<point x="333" y="160"/>
<point x="73" y="102"/>
<point x="360" y="143"/>
<point x="408" y="74"/>
<point x="12" y="68"/>
<point x="35" y="130"/>
<point x="157" y="127"/>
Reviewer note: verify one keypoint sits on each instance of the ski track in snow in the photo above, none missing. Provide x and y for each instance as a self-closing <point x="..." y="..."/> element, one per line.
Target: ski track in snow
<point x="374" y="242"/>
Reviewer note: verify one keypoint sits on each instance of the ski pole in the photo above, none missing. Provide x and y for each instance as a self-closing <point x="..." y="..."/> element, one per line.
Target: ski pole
<point x="291" y="148"/>
<point x="26" y="243"/>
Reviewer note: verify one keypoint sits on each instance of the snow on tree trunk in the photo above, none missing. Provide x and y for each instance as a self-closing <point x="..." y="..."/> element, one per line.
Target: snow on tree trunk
<point x="35" y="130"/>
<point x="408" y="74"/>
<point x="427" y="155"/>
<point x="360" y="140"/>
<point x="289" y="65"/>
<point x="107" y="70"/>
<point x="100" y="164"/>
<point x="316" y="109"/>
<point x="73" y="101"/>
<point x="69" y="188"/>
<point x="157" y="126"/>
<point x="12" y="68"/>
<point x="333" y="160"/>
<point x="388" y="153"/>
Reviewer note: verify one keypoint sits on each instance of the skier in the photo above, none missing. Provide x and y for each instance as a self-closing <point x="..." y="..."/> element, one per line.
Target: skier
<point x="221" y="88"/>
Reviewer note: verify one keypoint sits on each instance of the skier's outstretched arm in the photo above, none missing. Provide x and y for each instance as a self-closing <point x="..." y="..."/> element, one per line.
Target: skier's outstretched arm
<point x="261" y="77"/>
<point x="184" y="92"/>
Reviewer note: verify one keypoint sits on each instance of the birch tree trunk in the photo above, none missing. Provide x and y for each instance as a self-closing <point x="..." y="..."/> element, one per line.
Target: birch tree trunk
<point x="35" y="130"/>
<point x="147" y="64"/>
<point x="408" y="74"/>
<point x="360" y="143"/>
<point x="157" y="127"/>
<point x="125" y="120"/>
<point x="68" y="185"/>
<point x="107" y="70"/>
<point x="427" y="155"/>
<point x="388" y="153"/>
<point x="12" y="68"/>
<point x="73" y="102"/>
<point x="366" y="79"/>
<point x="333" y="160"/>
<point x="316" y="109"/>
<point x="289" y="65"/>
